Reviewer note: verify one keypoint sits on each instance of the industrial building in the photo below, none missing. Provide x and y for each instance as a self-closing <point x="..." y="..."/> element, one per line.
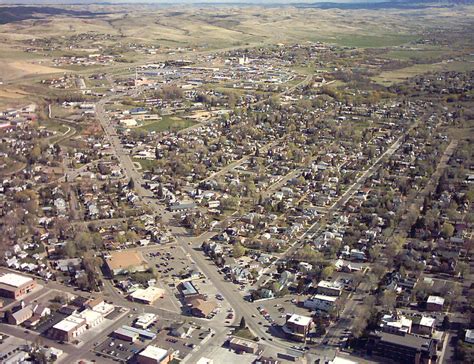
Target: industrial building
<point x="16" y="286"/>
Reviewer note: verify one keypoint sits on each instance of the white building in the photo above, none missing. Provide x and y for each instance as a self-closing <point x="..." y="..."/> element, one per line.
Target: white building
<point x="153" y="355"/>
<point x="329" y="288"/>
<point x="396" y="325"/>
<point x="145" y="320"/>
<point x="92" y="318"/>
<point x="469" y="337"/>
<point x="321" y="302"/>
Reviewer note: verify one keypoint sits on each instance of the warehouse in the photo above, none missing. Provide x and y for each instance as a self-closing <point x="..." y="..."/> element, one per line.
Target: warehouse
<point x="15" y="285"/>
<point x="126" y="335"/>
<point x="123" y="262"/>
<point x="154" y="355"/>
<point x="147" y="296"/>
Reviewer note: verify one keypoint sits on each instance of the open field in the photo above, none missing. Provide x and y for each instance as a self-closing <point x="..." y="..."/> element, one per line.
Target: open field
<point x="168" y="123"/>
<point x="15" y="69"/>
<point x="390" y="77"/>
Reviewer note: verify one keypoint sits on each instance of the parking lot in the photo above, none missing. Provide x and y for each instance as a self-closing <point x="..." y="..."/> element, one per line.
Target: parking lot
<point x="181" y="346"/>
<point x="275" y="310"/>
<point x="9" y="345"/>
<point x="170" y="263"/>
<point x="120" y="350"/>
<point x="49" y="322"/>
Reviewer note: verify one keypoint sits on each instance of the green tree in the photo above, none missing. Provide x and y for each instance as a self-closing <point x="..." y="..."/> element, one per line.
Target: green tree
<point x="238" y="250"/>
<point x="447" y="230"/>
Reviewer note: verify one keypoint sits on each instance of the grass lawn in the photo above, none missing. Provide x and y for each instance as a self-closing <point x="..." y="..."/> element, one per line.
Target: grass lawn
<point x="146" y="164"/>
<point x="424" y="55"/>
<point x="244" y="334"/>
<point x="168" y="123"/>
<point x="54" y="125"/>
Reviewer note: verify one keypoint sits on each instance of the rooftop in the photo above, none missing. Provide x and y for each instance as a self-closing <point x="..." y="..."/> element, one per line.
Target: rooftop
<point x="243" y="342"/>
<point x="154" y="352"/>
<point x="14" y="280"/>
<point x="322" y="297"/>
<point x="69" y="323"/>
<point x="300" y="320"/>
<point x="124" y="259"/>
<point x="149" y="294"/>
<point x="436" y="300"/>
<point x="427" y="321"/>
<point x="407" y="340"/>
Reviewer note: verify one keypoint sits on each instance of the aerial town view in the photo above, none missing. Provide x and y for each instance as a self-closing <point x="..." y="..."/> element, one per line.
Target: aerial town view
<point x="220" y="182"/>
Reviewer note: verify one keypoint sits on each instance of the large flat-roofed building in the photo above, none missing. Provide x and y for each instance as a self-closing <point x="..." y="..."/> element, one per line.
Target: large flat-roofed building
<point x="327" y="288"/>
<point x="145" y="320"/>
<point x="148" y="295"/>
<point x="154" y="355"/>
<point x="15" y="286"/>
<point x="127" y="261"/>
<point x="241" y="345"/>
<point x="297" y="327"/>
<point x="402" y="348"/>
<point x="92" y="318"/>
<point x="68" y="329"/>
<point x="321" y="302"/>
<point x="126" y="335"/>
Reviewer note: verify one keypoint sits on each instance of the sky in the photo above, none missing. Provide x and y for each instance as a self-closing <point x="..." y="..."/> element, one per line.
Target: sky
<point x="196" y="1"/>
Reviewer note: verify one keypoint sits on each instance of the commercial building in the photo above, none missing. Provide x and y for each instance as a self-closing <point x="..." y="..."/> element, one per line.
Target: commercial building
<point x="396" y="324"/>
<point x="297" y="327"/>
<point x="154" y="355"/>
<point x="127" y="261"/>
<point x="402" y="348"/>
<point x="145" y="320"/>
<point x="243" y="346"/>
<point x="145" y="334"/>
<point x="68" y="329"/>
<point x="327" y="288"/>
<point x="126" y="335"/>
<point x="147" y="296"/>
<point x="92" y="318"/>
<point x="201" y="308"/>
<point x="15" y="286"/>
<point x="321" y="302"/>
<point x="188" y="290"/>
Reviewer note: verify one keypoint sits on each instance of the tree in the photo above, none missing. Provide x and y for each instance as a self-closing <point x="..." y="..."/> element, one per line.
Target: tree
<point x="327" y="272"/>
<point x="389" y="300"/>
<point x="447" y="230"/>
<point x="131" y="184"/>
<point x="446" y="322"/>
<point x="238" y="250"/>
<point x="242" y="324"/>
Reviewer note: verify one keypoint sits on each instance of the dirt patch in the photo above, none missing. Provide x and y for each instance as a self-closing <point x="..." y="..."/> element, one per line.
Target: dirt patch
<point x="15" y="69"/>
<point x="9" y="93"/>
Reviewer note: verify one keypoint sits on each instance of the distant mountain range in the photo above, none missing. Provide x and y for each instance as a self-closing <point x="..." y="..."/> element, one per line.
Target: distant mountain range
<point x="342" y="4"/>
<point x="299" y="3"/>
